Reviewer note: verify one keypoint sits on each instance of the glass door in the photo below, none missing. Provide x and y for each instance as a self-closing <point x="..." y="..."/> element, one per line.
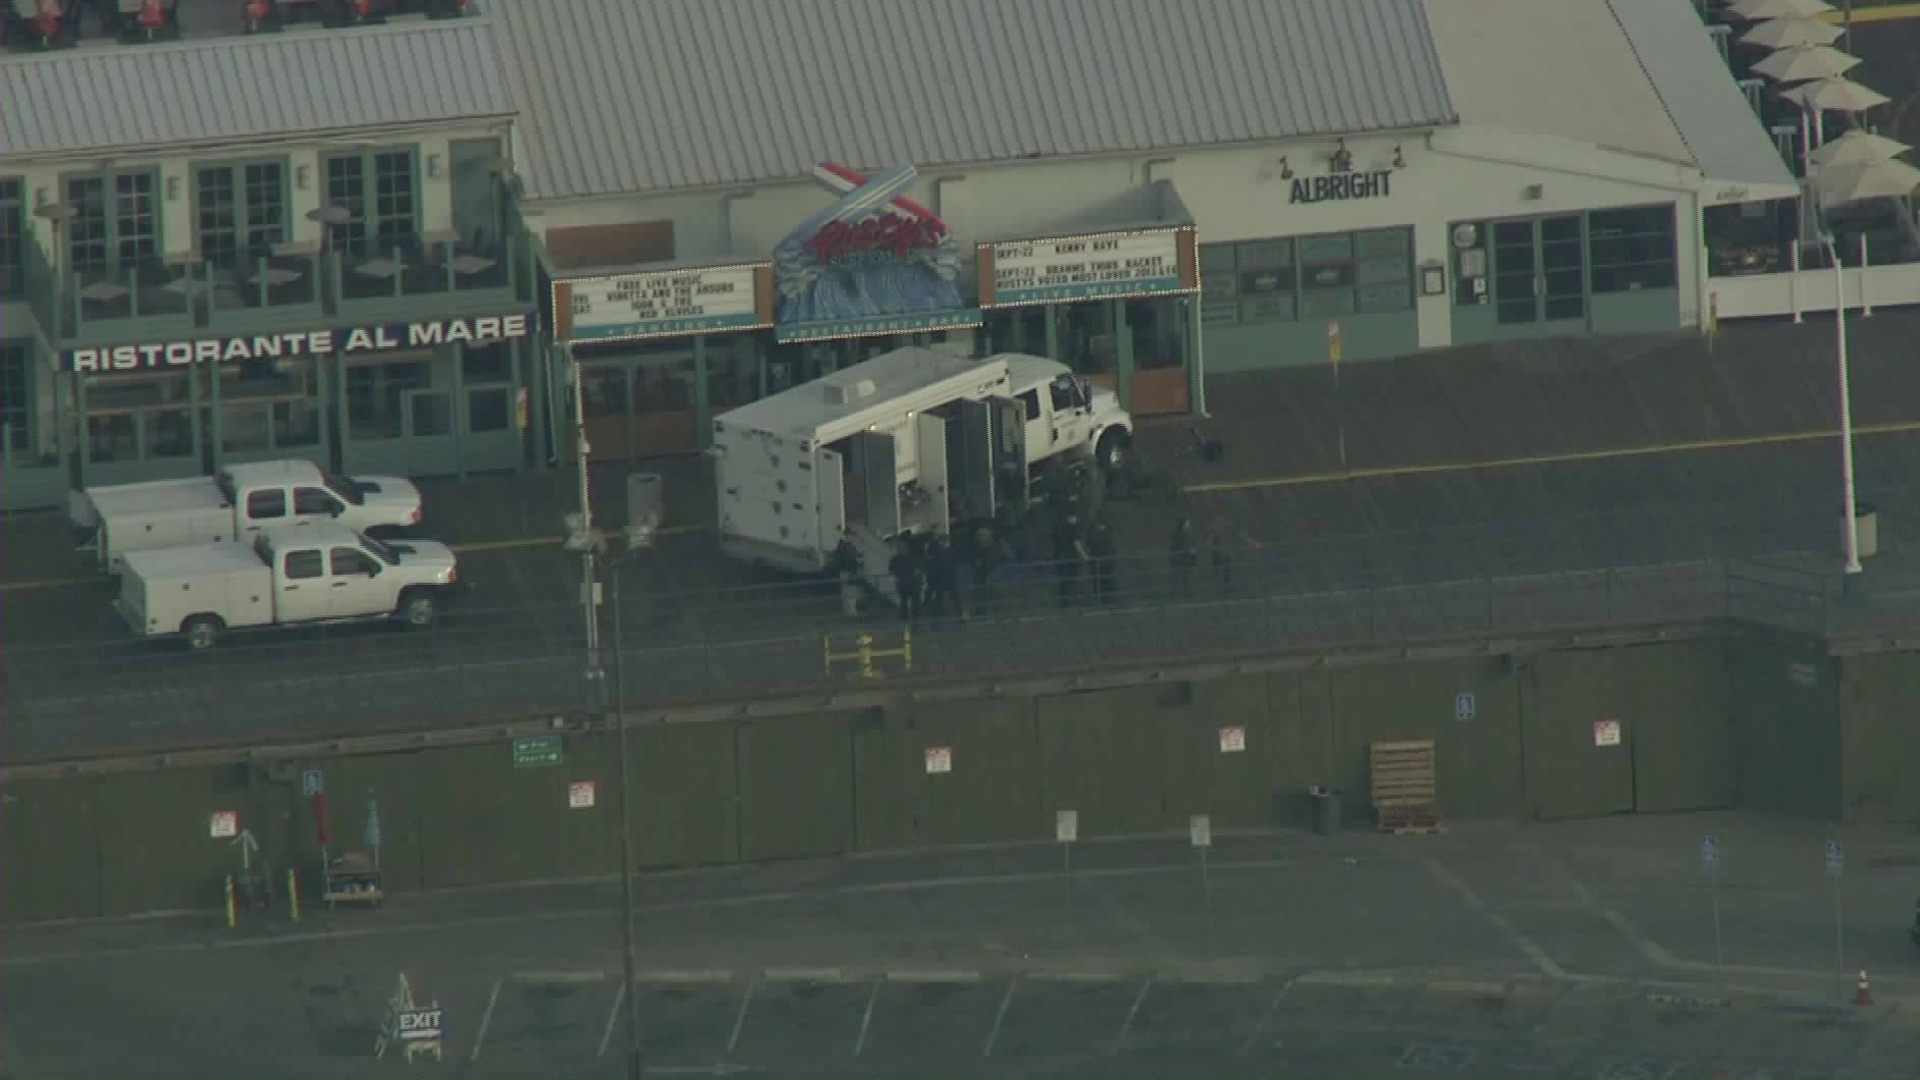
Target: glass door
<point x="1539" y="274"/>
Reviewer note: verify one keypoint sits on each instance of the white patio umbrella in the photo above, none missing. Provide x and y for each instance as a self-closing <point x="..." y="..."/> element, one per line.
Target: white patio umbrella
<point x="1806" y="62"/>
<point x="1840" y="95"/>
<point x="1878" y="180"/>
<point x="1790" y="33"/>
<point x="1778" y="9"/>
<point x="1858" y="147"/>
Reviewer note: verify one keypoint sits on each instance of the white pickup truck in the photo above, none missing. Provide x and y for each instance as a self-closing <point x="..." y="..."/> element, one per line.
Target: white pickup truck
<point x="286" y="577"/>
<point x="236" y="504"/>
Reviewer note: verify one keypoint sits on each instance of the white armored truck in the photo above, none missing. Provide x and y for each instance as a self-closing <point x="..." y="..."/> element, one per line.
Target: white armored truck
<point x="909" y="441"/>
<point x="235" y="505"/>
<point x="285" y="577"/>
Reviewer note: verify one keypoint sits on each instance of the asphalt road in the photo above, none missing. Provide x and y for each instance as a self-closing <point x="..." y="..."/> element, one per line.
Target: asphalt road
<point x="1575" y="950"/>
<point x="1496" y="551"/>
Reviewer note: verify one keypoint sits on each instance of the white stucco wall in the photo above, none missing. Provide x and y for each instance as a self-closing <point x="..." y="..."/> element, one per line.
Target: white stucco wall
<point x="1459" y="174"/>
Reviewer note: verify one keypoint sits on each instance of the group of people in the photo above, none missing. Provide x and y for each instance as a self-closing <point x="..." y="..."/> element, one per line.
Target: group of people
<point x="927" y="568"/>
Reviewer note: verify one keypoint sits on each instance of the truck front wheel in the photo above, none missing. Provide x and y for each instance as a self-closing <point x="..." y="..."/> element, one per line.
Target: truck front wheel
<point x="417" y="609"/>
<point x="201" y="631"/>
<point x="1111" y="451"/>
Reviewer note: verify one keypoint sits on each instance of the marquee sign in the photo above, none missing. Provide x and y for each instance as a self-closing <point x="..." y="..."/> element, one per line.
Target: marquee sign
<point x="378" y="337"/>
<point x="1107" y="265"/>
<point x="874" y="262"/>
<point x="663" y="303"/>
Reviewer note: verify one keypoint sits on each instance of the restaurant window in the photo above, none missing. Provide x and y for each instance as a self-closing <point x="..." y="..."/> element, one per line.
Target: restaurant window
<point x="240" y="211"/>
<point x="480" y="364"/>
<point x="13" y="236"/>
<point x="1308" y="277"/>
<point x="16" y="397"/>
<point x="1219" y="283"/>
<point x="378" y="394"/>
<point x="378" y="190"/>
<point x="139" y="417"/>
<point x="733" y="375"/>
<point x="115" y="221"/>
<point x="1631" y="249"/>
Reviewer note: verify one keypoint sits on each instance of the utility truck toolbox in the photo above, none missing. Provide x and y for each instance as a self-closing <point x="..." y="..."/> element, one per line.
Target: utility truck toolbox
<point x="236" y="504"/>
<point x="287" y="576"/>
<point x="909" y="441"/>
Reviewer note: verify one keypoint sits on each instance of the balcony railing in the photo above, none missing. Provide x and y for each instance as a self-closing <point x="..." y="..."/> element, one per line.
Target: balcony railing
<point x="422" y="267"/>
<point x="287" y="283"/>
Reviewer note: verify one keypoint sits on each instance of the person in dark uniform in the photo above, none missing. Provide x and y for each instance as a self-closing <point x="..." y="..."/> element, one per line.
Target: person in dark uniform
<point x="943" y="579"/>
<point x="905" y="568"/>
<point x="1105" y="557"/>
<point x="845" y="565"/>
<point x="1069" y="553"/>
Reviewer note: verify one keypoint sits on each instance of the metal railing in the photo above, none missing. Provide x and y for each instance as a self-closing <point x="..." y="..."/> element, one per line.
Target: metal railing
<point x="287" y="279"/>
<point x="511" y="663"/>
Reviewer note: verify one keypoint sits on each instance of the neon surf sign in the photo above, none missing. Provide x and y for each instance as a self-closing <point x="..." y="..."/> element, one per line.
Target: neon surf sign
<point x="872" y="262"/>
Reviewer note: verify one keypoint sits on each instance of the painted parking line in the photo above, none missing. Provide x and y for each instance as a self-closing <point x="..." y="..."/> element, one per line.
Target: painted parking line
<point x="1878" y="13"/>
<point x="866" y="1019"/>
<point x="486" y="1019"/>
<point x="1266" y="1017"/>
<point x="1120" y="1039"/>
<point x="517" y="543"/>
<point x="934" y="976"/>
<point x="1000" y="1017"/>
<point x="1786" y="438"/>
<point x="740" y="1018"/>
<point x="684" y="976"/>
<point x="613" y="1017"/>
<point x="1472" y="899"/>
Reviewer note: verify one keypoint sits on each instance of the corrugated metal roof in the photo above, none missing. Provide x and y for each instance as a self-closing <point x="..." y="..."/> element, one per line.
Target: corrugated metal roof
<point x="230" y="89"/>
<point x="1719" y="127"/>
<point x="626" y="96"/>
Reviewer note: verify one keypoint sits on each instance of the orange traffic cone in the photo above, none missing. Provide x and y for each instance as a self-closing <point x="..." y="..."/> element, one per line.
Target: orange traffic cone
<point x="1863" y="995"/>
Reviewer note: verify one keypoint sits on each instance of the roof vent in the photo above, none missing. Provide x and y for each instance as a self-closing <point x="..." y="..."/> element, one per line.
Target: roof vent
<point x="846" y="393"/>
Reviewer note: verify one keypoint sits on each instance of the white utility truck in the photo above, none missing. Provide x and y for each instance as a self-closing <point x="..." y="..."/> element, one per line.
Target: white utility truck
<point x="908" y="441"/>
<point x="235" y="504"/>
<point x="285" y="577"/>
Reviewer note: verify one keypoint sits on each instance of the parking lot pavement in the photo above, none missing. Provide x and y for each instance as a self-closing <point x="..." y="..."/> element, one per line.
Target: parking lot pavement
<point x="1551" y="950"/>
<point x="1338" y="564"/>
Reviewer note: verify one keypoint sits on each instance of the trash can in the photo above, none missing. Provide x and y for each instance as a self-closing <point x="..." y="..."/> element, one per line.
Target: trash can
<point x="1866" y="527"/>
<point x="1323" y="809"/>
<point x="646" y="501"/>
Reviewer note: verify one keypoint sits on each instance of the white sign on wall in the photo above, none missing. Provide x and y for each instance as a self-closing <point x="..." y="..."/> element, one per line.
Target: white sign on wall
<point x="1606" y="733"/>
<point x="1233" y="739"/>
<point x="223" y="824"/>
<point x="939" y="759"/>
<point x="663" y="303"/>
<point x="580" y="795"/>
<point x="1079" y="267"/>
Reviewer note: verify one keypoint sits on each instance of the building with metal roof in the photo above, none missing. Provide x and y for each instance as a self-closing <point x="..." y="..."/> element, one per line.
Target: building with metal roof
<point x="231" y="247"/>
<point x="235" y="91"/>
<point x="623" y="97"/>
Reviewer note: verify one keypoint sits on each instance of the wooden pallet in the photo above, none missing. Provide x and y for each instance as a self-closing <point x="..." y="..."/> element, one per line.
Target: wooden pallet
<point x="1405" y="797"/>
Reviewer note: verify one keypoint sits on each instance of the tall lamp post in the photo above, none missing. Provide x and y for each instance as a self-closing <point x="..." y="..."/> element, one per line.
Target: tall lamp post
<point x="588" y="541"/>
<point x="1849" y="515"/>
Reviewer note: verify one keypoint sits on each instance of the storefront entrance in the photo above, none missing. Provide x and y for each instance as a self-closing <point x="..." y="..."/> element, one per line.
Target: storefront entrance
<point x="1539" y="276"/>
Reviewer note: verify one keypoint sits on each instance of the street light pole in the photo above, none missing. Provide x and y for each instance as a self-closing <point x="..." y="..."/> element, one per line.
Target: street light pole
<point x="634" y="1062"/>
<point x="1850" y="517"/>
<point x="582" y="537"/>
